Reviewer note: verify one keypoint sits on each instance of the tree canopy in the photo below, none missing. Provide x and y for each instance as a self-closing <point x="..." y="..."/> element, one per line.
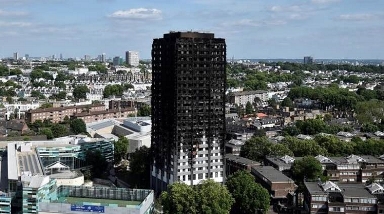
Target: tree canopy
<point x="78" y="126"/>
<point x="144" y="110"/>
<point x="139" y="165"/>
<point x="121" y="149"/>
<point x="308" y="167"/>
<point x="80" y="92"/>
<point x="207" y="197"/>
<point x="257" y="148"/>
<point x="250" y="197"/>
<point x="113" y="90"/>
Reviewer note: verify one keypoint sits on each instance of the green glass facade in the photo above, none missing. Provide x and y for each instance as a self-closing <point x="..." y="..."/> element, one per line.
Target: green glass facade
<point x="5" y="203"/>
<point x="32" y="196"/>
<point x="74" y="155"/>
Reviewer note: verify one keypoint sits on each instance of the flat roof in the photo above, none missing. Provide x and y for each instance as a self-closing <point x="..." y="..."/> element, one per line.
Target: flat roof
<point x="64" y="108"/>
<point x="355" y="191"/>
<point x="12" y="162"/>
<point x="81" y="201"/>
<point x="271" y="174"/>
<point x="314" y="188"/>
<point x="238" y="159"/>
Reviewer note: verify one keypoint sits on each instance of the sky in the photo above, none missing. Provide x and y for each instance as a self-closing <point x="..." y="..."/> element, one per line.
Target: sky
<point x="253" y="29"/>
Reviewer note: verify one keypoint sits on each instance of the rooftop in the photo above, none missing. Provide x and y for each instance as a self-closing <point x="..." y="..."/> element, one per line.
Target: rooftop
<point x="241" y="160"/>
<point x="271" y="174"/>
<point x="101" y="201"/>
<point x="63" y="108"/>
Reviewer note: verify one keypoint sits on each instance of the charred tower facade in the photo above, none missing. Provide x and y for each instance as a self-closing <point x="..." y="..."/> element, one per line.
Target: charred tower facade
<point x="188" y="108"/>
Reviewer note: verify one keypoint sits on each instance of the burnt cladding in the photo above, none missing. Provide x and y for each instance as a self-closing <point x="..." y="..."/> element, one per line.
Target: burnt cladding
<point x="188" y="94"/>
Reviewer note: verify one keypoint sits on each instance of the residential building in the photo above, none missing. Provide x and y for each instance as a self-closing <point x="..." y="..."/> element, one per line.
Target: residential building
<point x="330" y="197"/>
<point x="233" y="147"/>
<point x="308" y="60"/>
<point x="243" y="97"/>
<point x="103" y="57"/>
<point x="117" y="61"/>
<point x="354" y="168"/>
<point x="188" y="108"/>
<point x="132" y="58"/>
<point x="280" y="187"/>
<point x="282" y="164"/>
<point x="93" y="116"/>
<point x="57" y="114"/>
<point x="119" y="104"/>
<point x="235" y="163"/>
<point x="18" y="126"/>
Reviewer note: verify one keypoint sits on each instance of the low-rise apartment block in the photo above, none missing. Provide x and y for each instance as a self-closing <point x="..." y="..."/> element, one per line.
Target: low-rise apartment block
<point x="234" y="163"/>
<point x="280" y="187"/>
<point x="329" y="197"/>
<point x="58" y="114"/>
<point x="90" y="117"/>
<point x="350" y="169"/>
<point x="242" y="97"/>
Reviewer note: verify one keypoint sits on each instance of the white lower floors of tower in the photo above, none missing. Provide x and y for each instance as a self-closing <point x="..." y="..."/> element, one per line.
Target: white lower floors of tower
<point x="160" y="179"/>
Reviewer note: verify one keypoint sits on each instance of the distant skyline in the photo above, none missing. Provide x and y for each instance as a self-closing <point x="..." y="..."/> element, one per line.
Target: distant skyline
<point x="261" y="29"/>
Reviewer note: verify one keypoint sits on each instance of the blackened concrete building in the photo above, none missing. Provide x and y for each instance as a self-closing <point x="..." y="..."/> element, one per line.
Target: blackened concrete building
<point x="188" y="108"/>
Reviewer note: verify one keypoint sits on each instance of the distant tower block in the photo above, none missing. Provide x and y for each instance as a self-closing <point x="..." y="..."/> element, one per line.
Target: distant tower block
<point x="132" y="58"/>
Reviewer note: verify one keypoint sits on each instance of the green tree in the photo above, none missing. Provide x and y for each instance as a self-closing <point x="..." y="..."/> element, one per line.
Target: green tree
<point x="78" y="126"/>
<point x="287" y="102"/>
<point x="47" y="132"/>
<point x="369" y="127"/>
<point x="144" y="110"/>
<point x="46" y="105"/>
<point x="37" y="94"/>
<point x="36" y="74"/>
<point x="291" y="131"/>
<point x="179" y="199"/>
<point x="257" y="148"/>
<point x="95" y="159"/>
<point x="213" y="198"/>
<point x="139" y="165"/>
<point x="333" y="145"/>
<point x="248" y="108"/>
<point x="308" y="167"/>
<point x="128" y="86"/>
<point x="9" y="99"/>
<point x="328" y="117"/>
<point x="61" y="95"/>
<point x="121" y="149"/>
<point x="311" y="126"/>
<point x="250" y="197"/>
<point x="60" y="84"/>
<point x="301" y="148"/>
<point x="59" y="130"/>
<point x="80" y="92"/>
<point x="113" y="90"/>
<point x="15" y="71"/>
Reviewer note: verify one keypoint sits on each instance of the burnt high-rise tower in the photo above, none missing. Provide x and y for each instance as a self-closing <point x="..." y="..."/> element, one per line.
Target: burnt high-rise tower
<point x="188" y="108"/>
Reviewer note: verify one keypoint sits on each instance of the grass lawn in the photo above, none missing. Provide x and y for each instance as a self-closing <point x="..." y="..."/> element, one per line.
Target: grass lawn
<point x="120" y="203"/>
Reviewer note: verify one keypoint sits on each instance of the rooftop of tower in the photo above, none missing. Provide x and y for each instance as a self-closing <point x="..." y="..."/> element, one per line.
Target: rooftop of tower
<point x="189" y="34"/>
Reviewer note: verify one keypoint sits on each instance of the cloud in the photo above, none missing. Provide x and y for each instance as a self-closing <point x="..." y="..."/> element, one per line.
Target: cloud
<point x="252" y="23"/>
<point x="293" y="8"/>
<point x="356" y="17"/>
<point x="324" y="1"/>
<point x="12" y="13"/>
<point x="15" y="24"/>
<point x="137" y="14"/>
